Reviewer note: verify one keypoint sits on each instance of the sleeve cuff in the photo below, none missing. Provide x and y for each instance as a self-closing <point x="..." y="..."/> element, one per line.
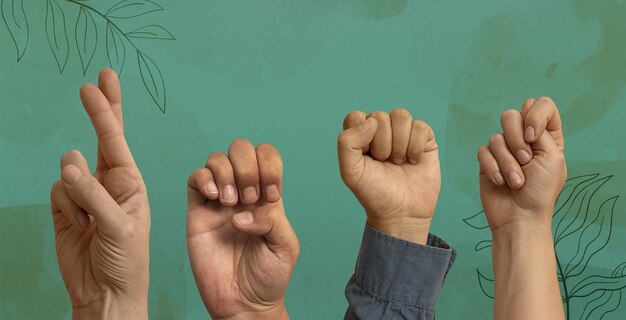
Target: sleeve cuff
<point x="400" y="271"/>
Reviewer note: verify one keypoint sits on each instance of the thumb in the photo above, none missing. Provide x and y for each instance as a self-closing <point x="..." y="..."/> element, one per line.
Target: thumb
<point x="270" y="222"/>
<point x="545" y="143"/>
<point x="350" y="146"/>
<point x="90" y="195"/>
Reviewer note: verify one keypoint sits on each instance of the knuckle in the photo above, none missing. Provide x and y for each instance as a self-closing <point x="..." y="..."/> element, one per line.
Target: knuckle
<point x="508" y="114"/>
<point x="355" y="114"/>
<point x="496" y="139"/>
<point x="379" y="115"/>
<point x="343" y="138"/>
<point x="547" y="100"/>
<point x="482" y="150"/>
<point x="197" y="173"/>
<point x="400" y="113"/>
<point x="214" y="157"/>
<point x="194" y="177"/>
<point x="352" y="117"/>
<point x="240" y="143"/>
<point x="529" y="101"/>
<point x="268" y="156"/>
<point x="420" y="125"/>
<point x="266" y="149"/>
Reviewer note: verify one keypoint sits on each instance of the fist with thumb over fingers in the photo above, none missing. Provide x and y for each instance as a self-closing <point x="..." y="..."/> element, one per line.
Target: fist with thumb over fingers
<point x="391" y="163"/>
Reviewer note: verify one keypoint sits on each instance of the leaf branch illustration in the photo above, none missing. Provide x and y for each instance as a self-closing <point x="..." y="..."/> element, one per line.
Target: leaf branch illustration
<point x="585" y="224"/>
<point x="14" y="18"/>
<point x="86" y="37"/>
<point x="116" y="50"/>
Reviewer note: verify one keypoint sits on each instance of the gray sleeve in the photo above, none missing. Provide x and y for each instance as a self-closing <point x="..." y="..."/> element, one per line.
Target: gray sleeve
<point x="397" y="279"/>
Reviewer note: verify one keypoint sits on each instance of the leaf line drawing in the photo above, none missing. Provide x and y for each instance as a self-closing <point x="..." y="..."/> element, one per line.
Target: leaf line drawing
<point x="14" y="18"/>
<point x="86" y="37"/>
<point x="585" y="223"/>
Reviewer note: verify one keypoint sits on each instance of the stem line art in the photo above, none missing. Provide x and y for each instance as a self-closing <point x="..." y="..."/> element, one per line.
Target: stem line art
<point x="584" y="222"/>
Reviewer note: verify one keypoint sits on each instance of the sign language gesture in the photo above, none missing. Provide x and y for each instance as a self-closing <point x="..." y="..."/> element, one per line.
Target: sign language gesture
<point x="241" y="245"/>
<point x="102" y="221"/>
<point x="391" y="164"/>
<point x="523" y="169"/>
<point x="522" y="172"/>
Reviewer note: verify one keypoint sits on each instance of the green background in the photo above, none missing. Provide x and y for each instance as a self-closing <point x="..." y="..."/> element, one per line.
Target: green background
<point x="287" y="72"/>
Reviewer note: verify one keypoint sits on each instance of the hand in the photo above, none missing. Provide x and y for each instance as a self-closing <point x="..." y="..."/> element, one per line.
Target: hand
<point x="242" y="251"/>
<point x="521" y="173"/>
<point x="102" y="221"/>
<point x="523" y="170"/>
<point x="391" y="164"/>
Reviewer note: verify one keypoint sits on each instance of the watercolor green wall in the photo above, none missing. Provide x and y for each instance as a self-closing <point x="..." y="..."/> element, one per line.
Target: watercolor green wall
<point x="286" y="72"/>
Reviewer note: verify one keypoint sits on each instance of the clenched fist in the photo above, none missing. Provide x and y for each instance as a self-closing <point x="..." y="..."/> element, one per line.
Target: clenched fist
<point x="102" y="221"/>
<point x="391" y="164"/>
<point x="523" y="169"/>
<point x="241" y="245"/>
<point x="521" y="174"/>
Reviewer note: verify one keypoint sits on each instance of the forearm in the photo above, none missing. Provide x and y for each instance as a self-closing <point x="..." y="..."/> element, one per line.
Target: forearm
<point x="526" y="285"/>
<point x="112" y="308"/>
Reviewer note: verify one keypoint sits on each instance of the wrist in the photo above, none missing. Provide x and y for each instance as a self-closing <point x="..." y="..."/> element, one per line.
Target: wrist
<point x="278" y="312"/>
<point x="410" y="229"/>
<point x="522" y="222"/>
<point x="111" y="307"/>
<point x="525" y="232"/>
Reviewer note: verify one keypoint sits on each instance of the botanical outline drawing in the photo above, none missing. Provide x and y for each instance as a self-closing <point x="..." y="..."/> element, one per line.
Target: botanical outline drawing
<point x="581" y="227"/>
<point x="87" y="36"/>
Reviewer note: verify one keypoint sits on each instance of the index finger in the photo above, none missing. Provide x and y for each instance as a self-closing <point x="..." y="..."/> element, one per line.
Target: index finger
<point x="543" y="115"/>
<point x="108" y="129"/>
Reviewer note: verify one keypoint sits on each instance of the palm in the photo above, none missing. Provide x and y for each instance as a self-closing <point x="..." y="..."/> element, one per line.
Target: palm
<point x="84" y="253"/>
<point x="398" y="190"/>
<point x="243" y="271"/>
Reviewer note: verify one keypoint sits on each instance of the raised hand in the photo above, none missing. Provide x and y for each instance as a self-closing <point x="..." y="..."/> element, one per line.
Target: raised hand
<point x="521" y="173"/>
<point x="523" y="169"/>
<point x="241" y="245"/>
<point x="391" y="164"/>
<point x="102" y="221"/>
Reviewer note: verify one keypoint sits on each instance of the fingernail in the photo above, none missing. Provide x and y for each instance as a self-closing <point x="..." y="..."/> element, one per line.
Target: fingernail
<point x="523" y="156"/>
<point x="249" y="194"/>
<point x="244" y="218"/>
<point x="211" y="188"/>
<point x="397" y="160"/>
<point x="271" y="193"/>
<point x="530" y="133"/>
<point x="366" y="125"/>
<point x="515" y="179"/>
<point x="81" y="219"/>
<point x="70" y="174"/>
<point x="412" y="161"/>
<point x="499" y="178"/>
<point x="229" y="194"/>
